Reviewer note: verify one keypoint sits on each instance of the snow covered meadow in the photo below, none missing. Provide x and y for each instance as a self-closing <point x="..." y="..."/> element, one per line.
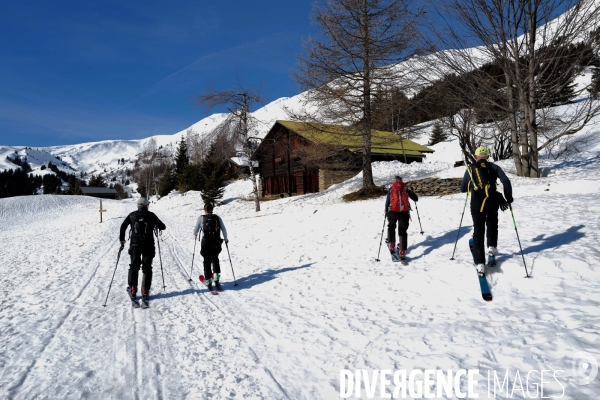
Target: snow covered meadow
<point x="311" y="300"/>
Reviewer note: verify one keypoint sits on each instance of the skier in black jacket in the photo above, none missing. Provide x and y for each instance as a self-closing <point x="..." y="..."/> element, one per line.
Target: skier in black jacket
<point x="141" y="247"/>
<point x="480" y="180"/>
<point x="209" y="226"/>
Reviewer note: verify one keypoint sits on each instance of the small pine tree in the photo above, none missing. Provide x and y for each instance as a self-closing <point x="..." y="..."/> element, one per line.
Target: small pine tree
<point x="167" y="182"/>
<point x="182" y="159"/>
<point x="192" y="177"/>
<point x="437" y="134"/>
<point x="213" y="175"/>
<point x="594" y="88"/>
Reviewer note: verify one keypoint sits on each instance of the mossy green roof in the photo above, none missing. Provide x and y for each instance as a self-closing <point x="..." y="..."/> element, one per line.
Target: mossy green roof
<point x="382" y="142"/>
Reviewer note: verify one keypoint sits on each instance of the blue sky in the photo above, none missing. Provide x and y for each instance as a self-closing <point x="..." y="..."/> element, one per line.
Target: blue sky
<point x="73" y="71"/>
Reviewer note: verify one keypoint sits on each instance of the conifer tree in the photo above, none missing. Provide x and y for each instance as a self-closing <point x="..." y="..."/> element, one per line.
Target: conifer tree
<point x="594" y="88"/>
<point x="437" y="134"/>
<point x="182" y="159"/>
<point x="213" y="177"/>
<point x="97" y="181"/>
<point x="167" y="182"/>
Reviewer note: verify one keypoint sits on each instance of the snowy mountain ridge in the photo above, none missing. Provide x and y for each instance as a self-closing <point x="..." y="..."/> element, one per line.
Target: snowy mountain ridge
<point x="105" y="156"/>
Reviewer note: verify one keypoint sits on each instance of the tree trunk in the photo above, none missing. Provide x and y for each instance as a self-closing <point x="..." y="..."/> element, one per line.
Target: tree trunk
<point x="247" y="151"/>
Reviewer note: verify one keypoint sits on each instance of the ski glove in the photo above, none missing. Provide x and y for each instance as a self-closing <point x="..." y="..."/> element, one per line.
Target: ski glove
<point x="502" y="202"/>
<point x="509" y="199"/>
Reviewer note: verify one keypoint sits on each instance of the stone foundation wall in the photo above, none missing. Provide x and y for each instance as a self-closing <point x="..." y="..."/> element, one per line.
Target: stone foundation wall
<point x="329" y="177"/>
<point x="435" y="186"/>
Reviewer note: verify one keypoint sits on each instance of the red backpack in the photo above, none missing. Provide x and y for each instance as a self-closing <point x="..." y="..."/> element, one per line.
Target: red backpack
<point x="399" y="197"/>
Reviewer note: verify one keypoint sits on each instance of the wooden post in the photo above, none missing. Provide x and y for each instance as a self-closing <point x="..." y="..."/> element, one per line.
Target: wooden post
<point x="101" y="211"/>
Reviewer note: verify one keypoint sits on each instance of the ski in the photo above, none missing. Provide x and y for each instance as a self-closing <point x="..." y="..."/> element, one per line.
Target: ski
<point x="486" y="293"/>
<point x="134" y="302"/>
<point x="212" y="290"/>
<point x="395" y="255"/>
<point x="491" y="262"/>
<point x="145" y="303"/>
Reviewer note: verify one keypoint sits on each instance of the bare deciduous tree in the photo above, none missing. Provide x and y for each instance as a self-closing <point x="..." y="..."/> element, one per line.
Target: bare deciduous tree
<point x="239" y="128"/>
<point x="360" y="43"/>
<point x="150" y="164"/>
<point x="526" y="41"/>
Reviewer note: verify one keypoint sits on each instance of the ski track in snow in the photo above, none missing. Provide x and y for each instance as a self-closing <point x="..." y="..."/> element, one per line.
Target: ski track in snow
<point x="311" y="299"/>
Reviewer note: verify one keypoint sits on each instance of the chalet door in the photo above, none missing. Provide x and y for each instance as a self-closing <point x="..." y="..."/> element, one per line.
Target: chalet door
<point x="300" y="184"/>
<point x="312" y="182"/>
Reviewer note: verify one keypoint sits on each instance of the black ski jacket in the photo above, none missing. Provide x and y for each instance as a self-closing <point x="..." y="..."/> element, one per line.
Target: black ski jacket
<point x="152" y="221"/>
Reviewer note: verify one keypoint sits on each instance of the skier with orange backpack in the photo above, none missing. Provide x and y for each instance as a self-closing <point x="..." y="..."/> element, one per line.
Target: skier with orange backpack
<point x="397" y="209"/>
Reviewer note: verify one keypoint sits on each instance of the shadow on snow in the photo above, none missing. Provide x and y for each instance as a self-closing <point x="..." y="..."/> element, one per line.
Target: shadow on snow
<point x="431" y="243"/>
<point x="570" y="235"/>
<point x="260" y="277"/>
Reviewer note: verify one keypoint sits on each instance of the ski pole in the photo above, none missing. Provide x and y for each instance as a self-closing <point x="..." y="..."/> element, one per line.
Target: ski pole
<point x="519" y="240"/>
<point x="381" y="239"/>
<point x="160" y="258"/>
<point x="461" y="219"/>
<point x="417" y="208"/>
<point x="193" y="255"/>
<point x="229" y="255"/>
<point x="113" y="275"/>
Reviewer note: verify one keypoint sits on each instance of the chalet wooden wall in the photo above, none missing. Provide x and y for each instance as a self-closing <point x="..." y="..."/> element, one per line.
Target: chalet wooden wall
<point x="282" y="171"/>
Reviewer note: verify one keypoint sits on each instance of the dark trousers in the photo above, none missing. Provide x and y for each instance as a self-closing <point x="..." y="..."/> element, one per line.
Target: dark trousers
<point x="141" y="256"/>
<point x="210" y="252"/>
<point x="403" y="219"/>
<point x="488" y="218"/>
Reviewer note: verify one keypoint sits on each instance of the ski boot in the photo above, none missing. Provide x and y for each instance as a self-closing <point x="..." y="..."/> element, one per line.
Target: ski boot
<point x="402" y="255"/>
<point x="132" y="291"/>
<point x="492" y="251"/>
<point x="208" y="283"/>
<point x="145" y="303"/>
<point x="480" y="269"/>
<point x="217" y="278"/>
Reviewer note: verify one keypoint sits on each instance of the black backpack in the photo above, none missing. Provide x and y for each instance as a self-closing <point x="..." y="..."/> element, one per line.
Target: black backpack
<point x="483" y="179"/>
<point x="140" y="228"/>
<point x="210" y="226"/>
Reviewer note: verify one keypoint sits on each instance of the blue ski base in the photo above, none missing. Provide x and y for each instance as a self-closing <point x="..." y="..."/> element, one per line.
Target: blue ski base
<point x="486" y="293"/>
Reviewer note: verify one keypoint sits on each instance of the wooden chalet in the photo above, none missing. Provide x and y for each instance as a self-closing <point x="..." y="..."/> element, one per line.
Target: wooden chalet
<point x="287" y="163"/>
<point x="100" y="192"/>
<point x="238" y="166"/>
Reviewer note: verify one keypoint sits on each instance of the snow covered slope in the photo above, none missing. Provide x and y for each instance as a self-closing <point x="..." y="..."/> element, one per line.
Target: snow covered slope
<point x="311" y="300"/>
